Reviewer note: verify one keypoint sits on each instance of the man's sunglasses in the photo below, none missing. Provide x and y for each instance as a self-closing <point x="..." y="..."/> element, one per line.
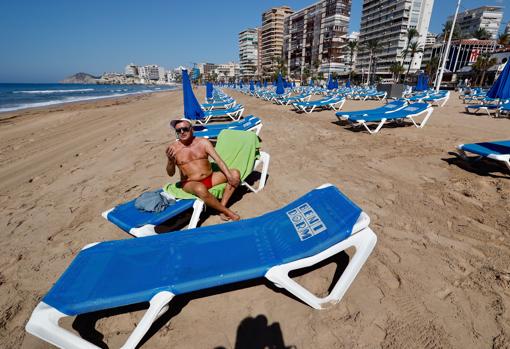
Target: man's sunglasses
<point x="182" y="129"/>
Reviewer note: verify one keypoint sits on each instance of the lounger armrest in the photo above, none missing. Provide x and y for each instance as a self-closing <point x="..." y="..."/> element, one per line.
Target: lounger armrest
<point x="363" y="241"/>
<point x="264" y="161"/>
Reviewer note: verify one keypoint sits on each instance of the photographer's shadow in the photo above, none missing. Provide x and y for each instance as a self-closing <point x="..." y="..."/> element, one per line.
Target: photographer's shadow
<point x="257" y="333"/>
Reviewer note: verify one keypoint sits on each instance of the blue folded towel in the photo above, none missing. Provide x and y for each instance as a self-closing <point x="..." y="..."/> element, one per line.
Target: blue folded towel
<point x="153" y="201"/>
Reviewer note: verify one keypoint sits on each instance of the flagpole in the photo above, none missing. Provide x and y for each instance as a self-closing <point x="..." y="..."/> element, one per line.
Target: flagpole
<point x="452" y="28"/>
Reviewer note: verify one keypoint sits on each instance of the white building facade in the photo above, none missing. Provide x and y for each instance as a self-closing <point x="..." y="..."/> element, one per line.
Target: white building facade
<point x="387" y="22"/>
<point x="486" y="17"/>
<point x="248" y="52"/>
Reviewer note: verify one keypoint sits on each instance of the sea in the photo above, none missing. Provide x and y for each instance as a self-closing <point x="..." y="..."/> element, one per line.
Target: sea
<point x="22" y="96"/>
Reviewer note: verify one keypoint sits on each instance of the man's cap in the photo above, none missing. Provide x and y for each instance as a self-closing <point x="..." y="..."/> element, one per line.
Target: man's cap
<point x="176" y="121"/>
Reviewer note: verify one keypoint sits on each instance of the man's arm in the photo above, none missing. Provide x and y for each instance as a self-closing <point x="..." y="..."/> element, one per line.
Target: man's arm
<point x="212" y="153"/>
<point x="170" y="165"/>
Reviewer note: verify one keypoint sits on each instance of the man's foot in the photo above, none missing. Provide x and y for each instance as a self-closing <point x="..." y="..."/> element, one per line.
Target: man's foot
<point x="233" y="217"/>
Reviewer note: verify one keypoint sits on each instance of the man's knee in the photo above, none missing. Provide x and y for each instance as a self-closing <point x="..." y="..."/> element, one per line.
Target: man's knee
<point x="235" y="172"/>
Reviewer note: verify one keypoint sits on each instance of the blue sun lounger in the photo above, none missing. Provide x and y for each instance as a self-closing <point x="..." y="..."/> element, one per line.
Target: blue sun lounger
<point x="141" y="223"/>
<point x="249" y="123"/>
<point x="333" y="102"/>
<point x="388" y="108"/>
<point x="227" y="104"/>
<point x="154" y="269"/>
<point x="235" y="113"/>
<point x="498" y="150"/>
<point x="410" y="112"/>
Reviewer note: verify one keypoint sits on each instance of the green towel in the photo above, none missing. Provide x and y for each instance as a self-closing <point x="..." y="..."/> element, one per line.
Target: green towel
<point x="238" y="149"/>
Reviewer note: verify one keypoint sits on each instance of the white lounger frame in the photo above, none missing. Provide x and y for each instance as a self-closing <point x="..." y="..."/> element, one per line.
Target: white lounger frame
<point x="198" y="205"/>
<point x="505" y="159"/>
<point x="235" y="116"/>
<point x="225" y="106"/>
<point x="411" y="117"/>
<point x="44" y="320"/>
<point x="332" y="105"/>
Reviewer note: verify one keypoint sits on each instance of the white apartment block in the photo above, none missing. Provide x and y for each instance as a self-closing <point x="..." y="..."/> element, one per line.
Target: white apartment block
<point x="248" y="52"/>
<point x="507" y="29"/>
<point x="149" y="72"/>
<point x="227" y="72"/>
<point x="387" y="22"/>
<point x="318" y="35"/>
<point x="131" y="70"/>
<point x="161" y="73"/>
<point x="487" y="17"/>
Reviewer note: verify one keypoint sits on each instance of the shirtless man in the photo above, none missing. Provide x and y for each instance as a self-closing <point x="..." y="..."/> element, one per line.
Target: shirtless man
<point x="191" y="155"/>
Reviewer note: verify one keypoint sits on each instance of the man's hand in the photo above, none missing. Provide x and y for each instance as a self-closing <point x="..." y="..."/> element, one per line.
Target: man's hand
<point x="232" y="180"/>
<point x="170" y="153"/>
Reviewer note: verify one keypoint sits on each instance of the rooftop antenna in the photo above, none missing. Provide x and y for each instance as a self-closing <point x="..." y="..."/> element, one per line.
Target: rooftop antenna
<point x="452" y="28"/>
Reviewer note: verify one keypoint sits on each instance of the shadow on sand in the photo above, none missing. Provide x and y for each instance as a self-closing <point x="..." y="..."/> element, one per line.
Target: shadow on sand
<point x="482" y="167"/>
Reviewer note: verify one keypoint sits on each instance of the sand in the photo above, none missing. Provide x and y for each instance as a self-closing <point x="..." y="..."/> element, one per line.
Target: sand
<point x="439" y="276"/>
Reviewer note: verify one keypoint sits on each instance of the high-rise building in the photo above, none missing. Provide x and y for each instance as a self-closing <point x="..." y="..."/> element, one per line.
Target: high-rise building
<point x="507" y="29"/>
<point x="227" y="72"/>
<point x="272" y="38"/>
<point x="316" y="37"/>
<point x="149" y="72"/>
<point x="248" y="52"/>
<point x="387" y="22"/>
<point x="486" y="17"/>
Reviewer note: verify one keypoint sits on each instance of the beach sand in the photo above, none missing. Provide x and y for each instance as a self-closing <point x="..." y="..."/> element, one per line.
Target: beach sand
<point x="439" y="276"/>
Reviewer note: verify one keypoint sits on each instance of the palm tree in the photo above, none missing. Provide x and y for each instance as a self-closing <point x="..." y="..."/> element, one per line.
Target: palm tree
<point x="373" y="46"/>
<point x="432" y="66"/>
<point x="482" y="64"/>
<point x="397" y="69"/>
<point x="504" y="39"/>
<point x="481" y="34"/>
<point x="412" y="49"/>
<point x="411" y="34"/>
<point x="446" y="31"/>
<point x="353" y="46"/>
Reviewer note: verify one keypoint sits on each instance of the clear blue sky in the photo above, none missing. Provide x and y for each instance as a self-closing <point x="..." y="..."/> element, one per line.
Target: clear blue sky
<point x="47" y="40"/>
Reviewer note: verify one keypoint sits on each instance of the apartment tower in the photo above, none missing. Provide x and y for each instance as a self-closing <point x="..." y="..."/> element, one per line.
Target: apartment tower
<point x="315" y="38"/>
<point x="387" y="22"/>
<point x="485" y="17"/>
<point x="271" y="38"/>
<point x="248" y="52"/>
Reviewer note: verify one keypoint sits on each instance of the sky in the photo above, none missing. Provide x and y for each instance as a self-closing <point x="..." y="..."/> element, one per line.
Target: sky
<point x="46" y="41"/>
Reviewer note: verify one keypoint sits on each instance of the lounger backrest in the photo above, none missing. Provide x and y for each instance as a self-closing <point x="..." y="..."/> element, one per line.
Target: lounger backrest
<point x="415" y="108"/>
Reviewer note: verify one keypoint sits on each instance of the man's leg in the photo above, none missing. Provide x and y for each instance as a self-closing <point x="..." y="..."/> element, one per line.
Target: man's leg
<point x="219" y="177"/>
<point x="200" y="190"/>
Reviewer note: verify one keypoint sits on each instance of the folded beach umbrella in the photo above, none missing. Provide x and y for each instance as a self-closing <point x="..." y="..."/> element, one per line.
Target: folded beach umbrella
<point x="192" y="109"/>
<point x="501" y="88"/>
<point x="259" y="84"/>
<point x="331" y="84"/>
<point x="240" y="84"/>
<point x="293" y="84"/>
<point x="209" y="90"/>
<point x="335" y="82"/>
<point x="280" y="89"/>
<point x="311" y="82"/>
<point x="252" y="86"/>
<point x="348" y="83"/>
<point x="421" y="84"/>
<point x="265" y="83"/>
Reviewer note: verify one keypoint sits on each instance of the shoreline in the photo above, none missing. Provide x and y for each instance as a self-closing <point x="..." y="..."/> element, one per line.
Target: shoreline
<point x="9" y="115"/>
<point x="84" y="100"/>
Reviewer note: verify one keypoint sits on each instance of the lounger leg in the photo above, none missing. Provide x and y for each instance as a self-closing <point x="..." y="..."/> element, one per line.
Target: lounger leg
<point x="158" y="306"/>
<point x="422" y="124"/>
<point x="379" y="126"/>
<point x="44" y="324"/>
<point x="364" y="242"/>
<point x="198" y="207"/>
<point x="264" y="160"/>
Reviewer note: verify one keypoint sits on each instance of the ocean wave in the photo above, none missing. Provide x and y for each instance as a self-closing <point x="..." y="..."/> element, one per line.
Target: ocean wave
<point x="69" y="100"/>
<point x="54" y="91"/>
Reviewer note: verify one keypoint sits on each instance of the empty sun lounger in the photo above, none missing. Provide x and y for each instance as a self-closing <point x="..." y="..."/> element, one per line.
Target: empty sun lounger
<point x="438" y="99"/>
<point x="155" y="269"/>
<point x="235" y="113"/>
<point x="410" y="112"/>
<point x="332" y="102"/>
<point x="249" y="123"/>
<point x="230" y="143"/>
<point x="388" y="108"/>
<point x="498" y="150"/>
